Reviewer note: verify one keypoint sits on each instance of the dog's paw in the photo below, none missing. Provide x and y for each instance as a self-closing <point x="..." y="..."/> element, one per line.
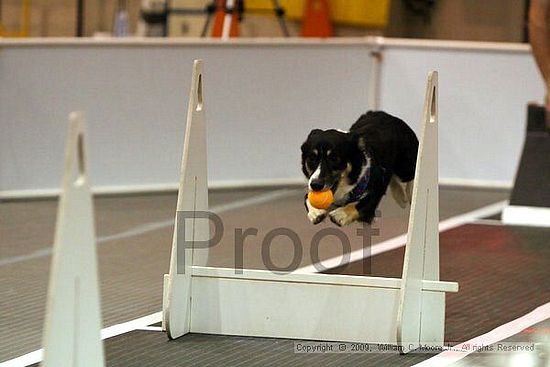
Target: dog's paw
<point x="344" y="216"/>
<point x="316" y="216"/>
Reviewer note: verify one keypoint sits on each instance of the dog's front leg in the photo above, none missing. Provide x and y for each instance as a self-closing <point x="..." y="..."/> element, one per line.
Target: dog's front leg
<point x="344" y="215"/>
<point x="314" y="215"/>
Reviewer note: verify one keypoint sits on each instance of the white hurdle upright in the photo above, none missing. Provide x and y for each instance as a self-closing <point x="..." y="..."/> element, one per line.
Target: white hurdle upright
<point x="72" y="329"/>
<point x="407" y="312"/>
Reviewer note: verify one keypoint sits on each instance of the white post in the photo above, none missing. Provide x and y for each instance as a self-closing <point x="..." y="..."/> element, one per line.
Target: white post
<point x="192" y="201"/>
<point x="73" y="318"/>
<point x="422" y="249"/>
<point x="375" y="55"/>
<point x="228" y="19"/>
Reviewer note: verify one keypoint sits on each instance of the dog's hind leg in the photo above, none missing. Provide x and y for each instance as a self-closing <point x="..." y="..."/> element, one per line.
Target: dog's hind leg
<point x="399" y="192"/>
<point x="409" y="189"/>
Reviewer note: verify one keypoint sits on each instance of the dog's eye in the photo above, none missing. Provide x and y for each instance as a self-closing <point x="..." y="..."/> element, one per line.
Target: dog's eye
<point x="312" y="160"/>
<point x="334" y="159"/>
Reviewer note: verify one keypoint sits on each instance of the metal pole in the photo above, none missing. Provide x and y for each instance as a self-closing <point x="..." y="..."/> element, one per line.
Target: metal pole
<point x="526" y="21"/>
<point x="279" y="13"/>
<point x="374" y="77"/>
<point x="80" y="18"/>
<point x="229" y="5"/>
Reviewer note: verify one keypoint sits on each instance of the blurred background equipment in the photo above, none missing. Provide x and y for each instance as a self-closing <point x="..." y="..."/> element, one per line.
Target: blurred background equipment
<point x="80" y="18"/>
<point x="359" y="13"/>
<point x="153" y="19"/>
<point x="202" y="18"/>
<point x="186" y="18"/>
<point x="25" y="21"/>
<point x="423" y="8"/>
<point x="316" y="19"/>
<point x="226" y="19"/>
<point x="488" y="20"/>
<point x="121" y="26"/>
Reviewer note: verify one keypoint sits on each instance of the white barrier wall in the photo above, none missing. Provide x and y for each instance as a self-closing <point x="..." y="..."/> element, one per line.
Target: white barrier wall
<point x="263" y="97"/>
<point x="483" y="98"/>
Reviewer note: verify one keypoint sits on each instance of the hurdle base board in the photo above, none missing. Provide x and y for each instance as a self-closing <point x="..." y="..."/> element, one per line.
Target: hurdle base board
<point x="302" y="306"/>
<point x="526" y="216"/>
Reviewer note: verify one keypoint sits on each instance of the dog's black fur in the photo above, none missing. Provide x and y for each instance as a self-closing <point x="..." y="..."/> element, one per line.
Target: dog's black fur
<point x="384" y="141"/>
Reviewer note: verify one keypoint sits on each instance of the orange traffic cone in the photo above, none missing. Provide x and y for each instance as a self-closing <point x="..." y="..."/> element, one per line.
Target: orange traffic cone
<point x="219" y="19"/>
<point x="316" y="21"/>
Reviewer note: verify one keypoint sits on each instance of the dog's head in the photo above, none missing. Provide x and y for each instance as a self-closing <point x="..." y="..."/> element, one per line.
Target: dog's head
<point x="327" y="157"/>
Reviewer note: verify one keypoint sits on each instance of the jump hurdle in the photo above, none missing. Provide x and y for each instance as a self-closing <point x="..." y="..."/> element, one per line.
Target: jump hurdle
<point x="407" y="311"/>
<point x="73" y="318"/>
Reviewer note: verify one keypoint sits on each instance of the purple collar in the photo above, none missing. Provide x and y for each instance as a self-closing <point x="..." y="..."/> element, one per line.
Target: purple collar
<point x="360" y="189"/>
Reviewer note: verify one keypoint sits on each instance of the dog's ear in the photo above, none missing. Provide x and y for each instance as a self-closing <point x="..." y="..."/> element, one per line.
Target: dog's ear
<point x="356" y="156"/>
<point x="305" y="151"/>
<point x="314" y="132"/>
<point x="306" y="145"/>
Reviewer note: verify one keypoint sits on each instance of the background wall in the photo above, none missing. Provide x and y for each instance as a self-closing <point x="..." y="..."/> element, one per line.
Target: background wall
<point x="262" y="99"/>
<point x="261" y="103"/>
<point x="487" y="20"/>
<point x="482" y="101"/>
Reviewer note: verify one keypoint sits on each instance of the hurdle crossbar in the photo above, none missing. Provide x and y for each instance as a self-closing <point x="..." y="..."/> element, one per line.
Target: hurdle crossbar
<point x="408" y="311"/>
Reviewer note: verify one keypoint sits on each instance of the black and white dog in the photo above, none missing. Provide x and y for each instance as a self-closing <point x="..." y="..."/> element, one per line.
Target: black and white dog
<point x="358" y="166"/>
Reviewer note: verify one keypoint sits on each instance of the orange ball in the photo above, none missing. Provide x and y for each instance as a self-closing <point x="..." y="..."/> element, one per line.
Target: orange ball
<point x="320" y="199"/>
